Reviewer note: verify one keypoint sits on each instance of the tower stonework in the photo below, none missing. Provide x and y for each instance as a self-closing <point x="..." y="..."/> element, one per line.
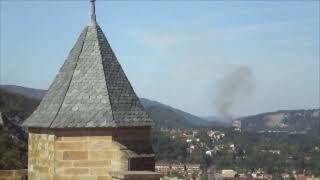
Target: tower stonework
<point x="90" y="124"/>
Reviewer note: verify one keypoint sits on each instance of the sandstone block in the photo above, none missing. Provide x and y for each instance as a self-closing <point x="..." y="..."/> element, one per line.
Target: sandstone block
<point x="59" y="170"/>
<point x="60" y="177"/>
<point x="83" y="178"/>
<point x="75" y="155"/>
<point x="58" y="155"/>
<point x="98" y="155"/>
<point x="43" y="170"/>
<point x="63" y="163"/>
<point x="73" y="138"/>
<point x="99" y="145"/>
<point x="103" y="178"/>
<point x="99" y="171"/>
<point x="76" y="171"/>
<point x="70" y="145"/>
<point x="91" y="163"/>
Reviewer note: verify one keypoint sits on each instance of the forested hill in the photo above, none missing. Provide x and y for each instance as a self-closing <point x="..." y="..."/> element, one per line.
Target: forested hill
<point x="298" y="121"/>
<point x="14" y="104"/>
<point x="14" y="108"/>
<point x="27" y="92"/>
<point x="163" y="115"/>
<point x="169" y="117"/>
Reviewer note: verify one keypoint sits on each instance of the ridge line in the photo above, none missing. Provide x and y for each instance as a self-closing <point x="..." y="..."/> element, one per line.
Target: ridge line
<point x="85" y="36"/>
<point x="103" y="70"/>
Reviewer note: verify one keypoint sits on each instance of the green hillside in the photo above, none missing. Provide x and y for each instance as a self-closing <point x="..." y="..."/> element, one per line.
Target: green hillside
<point x="291" y="121"/>
<point x="14" y="109"/>
<point x="14" y="104"/>
<point x="169" y="117"/>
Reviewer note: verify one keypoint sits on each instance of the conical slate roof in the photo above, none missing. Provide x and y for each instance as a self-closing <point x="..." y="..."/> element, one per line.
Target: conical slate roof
<point x="91" y="90"/>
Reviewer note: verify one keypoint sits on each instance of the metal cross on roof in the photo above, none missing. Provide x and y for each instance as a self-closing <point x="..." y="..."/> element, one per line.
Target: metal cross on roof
<point x="93" y="10"/>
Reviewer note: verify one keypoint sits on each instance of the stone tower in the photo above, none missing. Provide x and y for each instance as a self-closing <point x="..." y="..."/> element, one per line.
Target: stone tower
<point x="91" y="123"/>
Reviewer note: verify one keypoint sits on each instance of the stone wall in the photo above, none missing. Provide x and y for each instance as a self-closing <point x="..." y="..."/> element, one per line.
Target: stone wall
<point x="87" y="154"/>
<point x="41" y="154"/>
<point x="83" y="153"/>
<point x="21" y="174"/>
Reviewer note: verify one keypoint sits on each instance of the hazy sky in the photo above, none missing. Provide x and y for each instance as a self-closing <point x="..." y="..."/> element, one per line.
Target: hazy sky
<point x="176" y="52"/>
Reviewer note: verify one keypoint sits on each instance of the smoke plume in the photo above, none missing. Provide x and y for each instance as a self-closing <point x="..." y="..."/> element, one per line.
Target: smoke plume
<point x="233" y="88"/>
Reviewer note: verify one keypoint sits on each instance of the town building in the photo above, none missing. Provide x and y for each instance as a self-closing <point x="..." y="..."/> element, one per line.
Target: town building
<point x="188" y="171"/>
<point x="236" y="125"/>
<point x="228" y="173"/>
<point x="163" y="168"/>
<point x="90" y="124"/>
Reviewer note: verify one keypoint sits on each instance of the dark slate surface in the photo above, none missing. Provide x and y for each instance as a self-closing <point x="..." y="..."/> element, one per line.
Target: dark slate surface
<point x="91" y="90"/>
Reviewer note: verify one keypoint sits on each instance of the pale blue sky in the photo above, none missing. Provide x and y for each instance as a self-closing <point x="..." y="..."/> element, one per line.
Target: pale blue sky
<point x="176" y="52"/>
